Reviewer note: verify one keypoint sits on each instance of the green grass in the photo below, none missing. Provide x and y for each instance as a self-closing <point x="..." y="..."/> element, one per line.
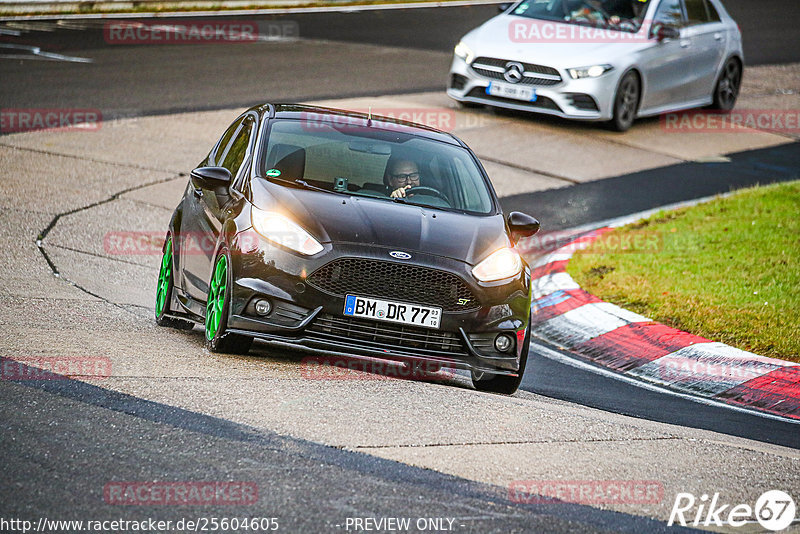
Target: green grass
<point x="728" y="270"/>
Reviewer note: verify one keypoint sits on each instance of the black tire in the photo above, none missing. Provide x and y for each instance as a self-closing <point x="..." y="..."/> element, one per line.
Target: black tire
<point x="626" y="103"/>
<point x="503" y="384"/>
<point x="167" y="261"/>
<point x="222" y="340"/>
<point x="727" y="89"/>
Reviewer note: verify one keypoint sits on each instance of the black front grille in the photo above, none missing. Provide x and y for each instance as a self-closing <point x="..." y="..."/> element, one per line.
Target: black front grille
<point x="394" y="281"/>
<point x="541" y="102"/>
<point x="488" y="67"/>
<point x="422" y="341"/>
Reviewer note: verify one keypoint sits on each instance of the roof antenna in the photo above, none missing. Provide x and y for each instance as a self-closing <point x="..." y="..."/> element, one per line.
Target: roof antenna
<point x="369" y="117"/>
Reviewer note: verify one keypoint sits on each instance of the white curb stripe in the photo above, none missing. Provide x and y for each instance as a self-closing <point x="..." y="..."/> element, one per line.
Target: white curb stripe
<point x="708" y="368"/>
<point x="551" y="258"/>
<point x="551" y="283"/>
<point x="586" y="322"/>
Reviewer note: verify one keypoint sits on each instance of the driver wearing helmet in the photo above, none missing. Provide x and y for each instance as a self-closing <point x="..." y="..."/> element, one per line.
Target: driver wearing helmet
<point x="401" y="174"/>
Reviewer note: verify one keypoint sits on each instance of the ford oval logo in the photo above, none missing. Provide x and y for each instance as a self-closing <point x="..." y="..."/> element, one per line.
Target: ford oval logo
<point x="400" y="255"/>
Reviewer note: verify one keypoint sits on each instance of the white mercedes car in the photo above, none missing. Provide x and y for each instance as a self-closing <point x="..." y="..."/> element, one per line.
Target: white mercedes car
<point x="601" y="60"/>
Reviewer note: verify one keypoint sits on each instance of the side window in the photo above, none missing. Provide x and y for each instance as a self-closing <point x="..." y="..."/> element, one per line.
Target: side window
<point x="713" y="14"/>
<point x="215" y="156"/>
<point x="669" y="12"/>
<point x="696" y="12"/>
<point x="236" y="152"/>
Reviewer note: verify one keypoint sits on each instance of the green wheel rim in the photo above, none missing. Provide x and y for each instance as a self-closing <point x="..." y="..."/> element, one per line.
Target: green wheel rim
<point x="164" y="279"/>
<point x="216" y="297"/>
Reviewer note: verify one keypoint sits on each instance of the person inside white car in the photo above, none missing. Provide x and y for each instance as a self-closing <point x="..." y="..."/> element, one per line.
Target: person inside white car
<point x="631" y="12"/>
<point x="622" y="14"/>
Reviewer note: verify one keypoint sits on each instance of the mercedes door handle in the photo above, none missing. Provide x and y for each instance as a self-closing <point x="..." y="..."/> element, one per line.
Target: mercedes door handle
<point x="718" y="36"/>
<point x="686" y="43"/>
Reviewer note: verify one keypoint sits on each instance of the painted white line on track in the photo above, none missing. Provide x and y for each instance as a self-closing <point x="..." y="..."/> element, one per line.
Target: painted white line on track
<point x="579" y="364"/>
<point x="37" y="53"/>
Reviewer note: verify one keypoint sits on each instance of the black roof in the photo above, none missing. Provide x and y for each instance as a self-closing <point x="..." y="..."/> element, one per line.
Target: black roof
<point x="302" y="111"/>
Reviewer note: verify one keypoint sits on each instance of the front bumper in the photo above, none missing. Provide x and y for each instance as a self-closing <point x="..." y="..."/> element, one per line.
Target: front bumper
<point x="589" y="99"/>
<point x="307" y="317"/>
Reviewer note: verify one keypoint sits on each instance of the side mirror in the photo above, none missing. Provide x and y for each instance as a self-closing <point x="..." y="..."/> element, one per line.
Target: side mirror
<point x="211" y="178"/>
<point x="502" y="8"/>
<point x="521" y="225"/>
<point x="664" y="32"/>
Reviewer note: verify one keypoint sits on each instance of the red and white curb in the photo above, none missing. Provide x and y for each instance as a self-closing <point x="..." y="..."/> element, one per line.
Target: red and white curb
<point x="568" y="317"/>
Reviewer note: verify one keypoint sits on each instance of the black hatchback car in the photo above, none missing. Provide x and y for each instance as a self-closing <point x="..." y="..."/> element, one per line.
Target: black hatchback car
<point x="347" y="234"/>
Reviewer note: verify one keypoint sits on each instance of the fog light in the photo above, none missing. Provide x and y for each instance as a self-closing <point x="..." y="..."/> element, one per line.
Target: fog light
<point x="263" y="307"/>
<point x="503" y="342"/>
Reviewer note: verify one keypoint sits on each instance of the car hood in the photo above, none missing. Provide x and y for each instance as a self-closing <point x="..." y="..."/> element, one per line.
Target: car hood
<point x="494" y="39"/>
<point x="339" y="218"/>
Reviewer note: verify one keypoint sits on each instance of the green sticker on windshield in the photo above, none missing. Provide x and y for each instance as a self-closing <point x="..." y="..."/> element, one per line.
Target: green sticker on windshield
<point x="273" y="173"/>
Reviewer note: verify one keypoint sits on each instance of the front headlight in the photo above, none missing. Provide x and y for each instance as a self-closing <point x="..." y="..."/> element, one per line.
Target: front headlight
<point x="504" y="263"/>
<point x="594" y="71"/>
<point x="464" y="52"/>
<point x="283" y="231"/>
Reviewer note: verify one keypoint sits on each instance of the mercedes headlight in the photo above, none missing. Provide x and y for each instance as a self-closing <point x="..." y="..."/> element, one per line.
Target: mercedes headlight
<point x="283" y="231"/>
<point x="504" y="263"/>
<point x="595" y="71"/>
<point x="464" y="52"/>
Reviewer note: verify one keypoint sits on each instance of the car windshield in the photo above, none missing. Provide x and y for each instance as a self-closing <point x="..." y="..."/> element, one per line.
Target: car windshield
<point x="349" y="157"/>
<point x="623" y="15"/>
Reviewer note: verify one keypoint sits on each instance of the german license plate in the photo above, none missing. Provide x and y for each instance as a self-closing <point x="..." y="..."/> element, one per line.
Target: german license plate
<point x="517" y="92"/>
<point x="395" y="312"/>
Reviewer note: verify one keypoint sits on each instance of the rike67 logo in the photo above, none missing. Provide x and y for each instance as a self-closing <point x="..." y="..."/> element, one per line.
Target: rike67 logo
<point x="774" y="510"/>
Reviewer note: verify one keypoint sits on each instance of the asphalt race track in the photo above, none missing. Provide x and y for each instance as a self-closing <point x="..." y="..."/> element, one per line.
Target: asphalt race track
<point x="397" y="51"/>
<point x="322" y="451"/>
